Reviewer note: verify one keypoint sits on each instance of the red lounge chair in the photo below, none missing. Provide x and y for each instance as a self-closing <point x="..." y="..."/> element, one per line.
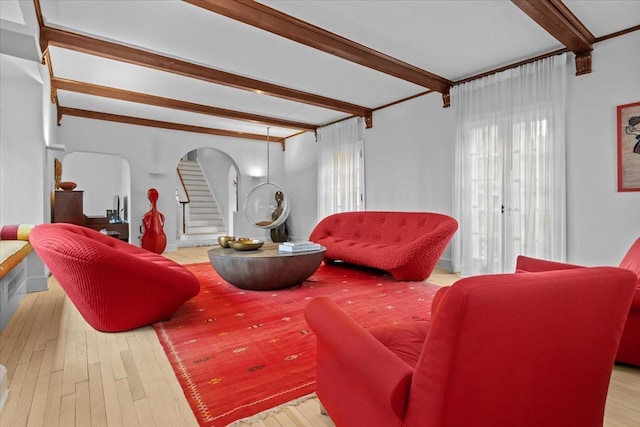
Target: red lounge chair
<point x="114" y="285"/>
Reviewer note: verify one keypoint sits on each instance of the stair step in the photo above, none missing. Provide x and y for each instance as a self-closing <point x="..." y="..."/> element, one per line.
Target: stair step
<point x="205" y="230"/>
<point x="205" y="223"/>
<point x="203" y="210"/>
<point x="200" y="194"/>
<point x="203" y="216"/>
<point x="199" y="202"/>
<point x="189" y="164"/>
<point x="203" y="236"/>
<point x="211" y="215"/>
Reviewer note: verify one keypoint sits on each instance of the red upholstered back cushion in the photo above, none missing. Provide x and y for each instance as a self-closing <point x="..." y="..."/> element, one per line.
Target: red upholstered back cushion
<point x="526" y="264"/>
<point x="522" y="350"/>
<point x="381" y="227"/>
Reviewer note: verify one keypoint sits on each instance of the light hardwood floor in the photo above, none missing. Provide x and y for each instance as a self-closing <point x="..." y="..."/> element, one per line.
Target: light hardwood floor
<point x="64" y="373"/>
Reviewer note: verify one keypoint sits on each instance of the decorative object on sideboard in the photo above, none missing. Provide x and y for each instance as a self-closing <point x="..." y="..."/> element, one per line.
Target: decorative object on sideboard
<point x="67" y="185"/>
<point x="111" y="216"/>
<point x="57" y="172"/>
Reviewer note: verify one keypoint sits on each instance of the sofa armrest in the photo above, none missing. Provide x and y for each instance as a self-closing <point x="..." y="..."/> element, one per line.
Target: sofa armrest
<point x="358" y="350"/>
<point x="526" y="264"/>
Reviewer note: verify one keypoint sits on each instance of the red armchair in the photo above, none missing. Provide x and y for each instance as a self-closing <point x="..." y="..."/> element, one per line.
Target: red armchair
<point x="114" y="285"/>
<point x="629" y="350"/>
<point x="501" y="350"/>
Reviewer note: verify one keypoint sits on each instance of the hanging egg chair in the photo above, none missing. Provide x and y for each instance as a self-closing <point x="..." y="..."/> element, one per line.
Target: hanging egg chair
<point x="267" y="205"/>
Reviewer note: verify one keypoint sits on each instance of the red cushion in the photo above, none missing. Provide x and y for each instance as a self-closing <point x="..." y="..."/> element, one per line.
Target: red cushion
<point x="16" y="231"/>
<point x="405" y="340"/>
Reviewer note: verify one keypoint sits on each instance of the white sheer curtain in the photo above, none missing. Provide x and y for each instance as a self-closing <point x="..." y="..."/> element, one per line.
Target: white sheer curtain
<point x="341" y="167"/>
<point x="509" y="183"/>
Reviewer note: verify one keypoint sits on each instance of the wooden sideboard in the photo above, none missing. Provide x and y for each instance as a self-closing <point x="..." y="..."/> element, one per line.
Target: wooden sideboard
<point x="68" y="207"/>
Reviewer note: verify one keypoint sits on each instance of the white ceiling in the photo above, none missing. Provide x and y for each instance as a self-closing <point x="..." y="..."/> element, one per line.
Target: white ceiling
<point x="453" y="39"/>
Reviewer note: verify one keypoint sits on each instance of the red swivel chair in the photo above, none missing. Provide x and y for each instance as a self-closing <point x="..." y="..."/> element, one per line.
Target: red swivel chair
<point x="629" y="350"/>
<point x="524" y="350"/>
<point x="114" y="285"/>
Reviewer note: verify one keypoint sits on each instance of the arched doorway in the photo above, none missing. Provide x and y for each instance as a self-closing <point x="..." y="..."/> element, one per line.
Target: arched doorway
<point x="206" y="187"/>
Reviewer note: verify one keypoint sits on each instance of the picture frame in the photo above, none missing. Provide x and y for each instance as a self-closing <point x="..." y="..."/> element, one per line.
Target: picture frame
<point x="628" y="122"/>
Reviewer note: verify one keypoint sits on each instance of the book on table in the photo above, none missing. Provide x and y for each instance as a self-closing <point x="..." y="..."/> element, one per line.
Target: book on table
<point x="298" y="246"/>
<point x="299" y="243"/>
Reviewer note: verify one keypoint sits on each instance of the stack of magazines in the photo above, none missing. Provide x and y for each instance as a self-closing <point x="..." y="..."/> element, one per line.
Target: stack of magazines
<point x="298" y="247"/>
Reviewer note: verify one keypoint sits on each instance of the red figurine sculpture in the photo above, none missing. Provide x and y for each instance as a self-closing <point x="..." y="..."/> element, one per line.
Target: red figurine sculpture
<point x="153" y="237"/>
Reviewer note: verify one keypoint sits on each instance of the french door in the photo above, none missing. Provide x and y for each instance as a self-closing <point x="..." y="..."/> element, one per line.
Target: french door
<point x="511" y="192"/>
<point x="509" y="176"/>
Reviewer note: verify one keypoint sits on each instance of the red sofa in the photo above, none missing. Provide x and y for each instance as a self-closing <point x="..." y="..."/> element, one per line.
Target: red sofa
<point x="524" y="350"/>
<point x="406" y="244"/>
<point x="114" y="285"/>
<point x="629" y="350"/>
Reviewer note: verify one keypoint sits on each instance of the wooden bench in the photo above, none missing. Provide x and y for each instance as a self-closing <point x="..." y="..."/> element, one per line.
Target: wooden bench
<point x="21" y="270"/>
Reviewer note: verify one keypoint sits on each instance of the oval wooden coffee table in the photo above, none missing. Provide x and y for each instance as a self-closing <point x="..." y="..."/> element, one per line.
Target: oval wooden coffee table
<point x="265" y="268"/>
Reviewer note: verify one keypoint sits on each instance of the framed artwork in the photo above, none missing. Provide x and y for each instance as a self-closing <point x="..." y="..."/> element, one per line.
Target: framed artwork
<point x="629" y="147"/>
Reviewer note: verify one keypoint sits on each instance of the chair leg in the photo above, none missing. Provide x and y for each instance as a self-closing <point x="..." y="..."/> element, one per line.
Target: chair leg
<point x="322" y="410"/>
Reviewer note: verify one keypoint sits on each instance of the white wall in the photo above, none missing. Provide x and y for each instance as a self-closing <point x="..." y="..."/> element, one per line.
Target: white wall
<point x="409" y="157"/>
<point x="22" y="196"/>
<point x="99" y="176"/>
<point x="301" y="170"/>
<point x="602" y="223"/>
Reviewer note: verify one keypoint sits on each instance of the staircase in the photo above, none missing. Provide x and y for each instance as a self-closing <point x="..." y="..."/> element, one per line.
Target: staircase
<point x="203" y="220"/>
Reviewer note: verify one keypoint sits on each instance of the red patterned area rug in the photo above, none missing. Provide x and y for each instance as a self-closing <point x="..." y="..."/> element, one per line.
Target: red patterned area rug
<point x="237" y="353"/>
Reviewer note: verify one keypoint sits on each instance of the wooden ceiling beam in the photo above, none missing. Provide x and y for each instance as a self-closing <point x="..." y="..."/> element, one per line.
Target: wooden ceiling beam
<point x="105" y="49"/>
<point x="158" y="101"/>
<point x="76" y="112"/>
<point x="556" y="18"/>
<point x="258" y="15"/>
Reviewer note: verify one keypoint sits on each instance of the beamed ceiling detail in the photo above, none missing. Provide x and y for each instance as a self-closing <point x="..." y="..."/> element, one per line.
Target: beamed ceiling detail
<point x="551" y="15"/>
<point x="65" y="111"/>
<point x="274" y="21"/>
<point x="557" y="20"/>
<point x="158" y="101"/>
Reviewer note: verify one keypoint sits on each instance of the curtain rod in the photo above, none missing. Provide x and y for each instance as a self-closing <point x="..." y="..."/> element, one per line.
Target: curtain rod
<point x="497" y="70"/>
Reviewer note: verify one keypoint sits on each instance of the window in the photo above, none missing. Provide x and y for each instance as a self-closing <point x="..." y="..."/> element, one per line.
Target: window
<point x="509" y="192"/>
<point x="341" y="167"/>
